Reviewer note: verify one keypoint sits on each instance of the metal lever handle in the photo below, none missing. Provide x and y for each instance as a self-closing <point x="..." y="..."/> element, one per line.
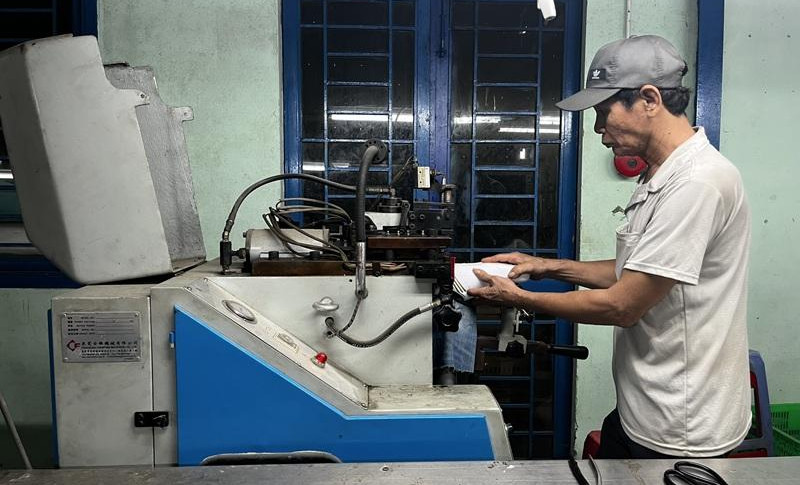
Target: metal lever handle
<point x="574" y="351"/>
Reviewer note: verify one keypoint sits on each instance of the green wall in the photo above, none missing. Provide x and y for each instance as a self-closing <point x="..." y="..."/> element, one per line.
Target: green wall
<point x="759" y="133"/>
<point x="25" y="374"/>
<point x="223" y="59"/>
<point x="602" y="189"/>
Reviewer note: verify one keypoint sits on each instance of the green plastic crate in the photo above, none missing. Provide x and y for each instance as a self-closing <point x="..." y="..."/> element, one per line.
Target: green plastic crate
<point x="786" y="428"/>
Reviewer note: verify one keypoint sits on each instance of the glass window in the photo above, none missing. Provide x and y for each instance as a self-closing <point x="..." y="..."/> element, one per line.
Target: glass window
<point x="313" y="88"/>
<point x="515" y="237"/>
<point x="461" y="85"/>
<point x="372" y="12"/>
<point x="511" y="70"/>
<point x="505" y="182"/>
<point x="366" y="98"/>
<point x="509" y="154"/>
<point x="518" y="15"/>
<point x="508" y="42"/>
<point x="503" y="99"/>
<point x="505" y="127"/>
<point x="516" y="210"/>
<point x="311" y="11"/>
<point x="547" y="227"/>
<point x="403" y="13"/>
<point x="358" y="69"/>
<point x="358" y="40"/>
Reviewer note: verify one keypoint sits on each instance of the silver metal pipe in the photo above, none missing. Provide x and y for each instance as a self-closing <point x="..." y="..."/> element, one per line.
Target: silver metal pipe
<point x="17" y="441"/>
<point x="628" y="18"/>
<point x="361" y="270"/>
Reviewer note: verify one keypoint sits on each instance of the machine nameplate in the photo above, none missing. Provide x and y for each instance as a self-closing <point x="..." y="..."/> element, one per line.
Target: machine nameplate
<point x="101" y="337"/>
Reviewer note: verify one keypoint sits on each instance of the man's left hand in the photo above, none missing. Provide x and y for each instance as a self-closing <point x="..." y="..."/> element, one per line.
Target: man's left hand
<point x="497" y="289"/>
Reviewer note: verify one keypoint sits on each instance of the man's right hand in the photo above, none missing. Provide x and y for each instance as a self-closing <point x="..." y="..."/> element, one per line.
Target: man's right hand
<point x="535" y="266"/>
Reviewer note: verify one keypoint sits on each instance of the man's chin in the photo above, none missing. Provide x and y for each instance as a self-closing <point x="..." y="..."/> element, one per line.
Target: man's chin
<point x="621" y="152"/>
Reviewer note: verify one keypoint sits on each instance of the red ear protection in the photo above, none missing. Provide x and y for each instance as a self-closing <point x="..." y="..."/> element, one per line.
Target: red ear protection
<point x="629" y="166"/>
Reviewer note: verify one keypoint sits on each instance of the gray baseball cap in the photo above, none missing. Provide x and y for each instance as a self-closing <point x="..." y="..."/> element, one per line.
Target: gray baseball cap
<point x="628" y="63"/>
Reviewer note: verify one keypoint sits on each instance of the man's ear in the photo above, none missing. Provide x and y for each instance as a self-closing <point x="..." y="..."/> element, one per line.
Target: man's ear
<point x="651" y="96"/>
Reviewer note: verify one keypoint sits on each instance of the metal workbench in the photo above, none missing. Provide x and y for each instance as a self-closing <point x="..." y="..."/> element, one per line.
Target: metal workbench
<point x="750" y="471"/>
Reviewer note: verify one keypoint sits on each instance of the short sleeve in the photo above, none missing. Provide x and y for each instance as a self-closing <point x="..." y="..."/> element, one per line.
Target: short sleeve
<point x="675" y="240"/>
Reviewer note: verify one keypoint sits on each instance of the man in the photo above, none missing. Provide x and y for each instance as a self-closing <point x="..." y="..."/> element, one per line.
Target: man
<point x="676" y="291"/>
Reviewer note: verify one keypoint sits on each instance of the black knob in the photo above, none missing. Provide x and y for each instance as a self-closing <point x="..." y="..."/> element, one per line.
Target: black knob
<point x="515" y="349"/>
<point x="447" y="317"/>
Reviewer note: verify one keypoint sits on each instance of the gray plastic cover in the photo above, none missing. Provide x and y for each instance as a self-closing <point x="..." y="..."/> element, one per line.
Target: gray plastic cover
<point x="86" y="189"/>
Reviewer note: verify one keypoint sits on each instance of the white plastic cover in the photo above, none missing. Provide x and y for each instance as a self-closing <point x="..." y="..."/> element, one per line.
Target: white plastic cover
<point x="86" y="192"/>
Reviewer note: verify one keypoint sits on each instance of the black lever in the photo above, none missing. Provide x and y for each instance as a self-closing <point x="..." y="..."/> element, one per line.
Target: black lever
<point x="573" y="351"/>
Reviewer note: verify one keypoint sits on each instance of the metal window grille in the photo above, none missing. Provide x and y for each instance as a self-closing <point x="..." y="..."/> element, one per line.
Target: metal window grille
<point x="486" y="76"/>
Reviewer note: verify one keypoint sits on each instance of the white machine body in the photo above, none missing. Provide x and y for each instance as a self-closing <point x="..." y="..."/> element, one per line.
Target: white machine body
<point x="105" y="390"/>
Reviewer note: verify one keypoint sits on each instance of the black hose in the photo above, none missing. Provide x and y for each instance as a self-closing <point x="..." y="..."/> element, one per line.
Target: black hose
<point x="225" y="252"/>
<point x="235" y="209"/>
<point x="576" y="471"/>
<point x="352" y="316"/>
<point x="385" y="334"/>
<point x="361" y="192"/>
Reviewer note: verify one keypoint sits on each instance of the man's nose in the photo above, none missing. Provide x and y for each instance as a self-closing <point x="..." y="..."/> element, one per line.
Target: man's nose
<point x="599" y="126"/>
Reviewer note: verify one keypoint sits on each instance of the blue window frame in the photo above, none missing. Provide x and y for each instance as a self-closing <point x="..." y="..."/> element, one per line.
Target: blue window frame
<point x="21" y="21"/>
<point x="514" y="158"/>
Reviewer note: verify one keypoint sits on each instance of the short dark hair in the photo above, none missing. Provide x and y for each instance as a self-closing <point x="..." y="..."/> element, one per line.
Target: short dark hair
<point x="676" y="100"/>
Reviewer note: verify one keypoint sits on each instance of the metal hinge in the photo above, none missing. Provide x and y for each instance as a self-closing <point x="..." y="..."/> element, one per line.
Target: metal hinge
<point x="151" y="419"/>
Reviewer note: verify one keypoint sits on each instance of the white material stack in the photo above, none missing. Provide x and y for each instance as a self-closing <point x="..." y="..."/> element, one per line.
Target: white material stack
<point x="465" y="279"/>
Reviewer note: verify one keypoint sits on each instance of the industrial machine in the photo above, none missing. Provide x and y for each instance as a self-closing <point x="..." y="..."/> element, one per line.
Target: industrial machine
<point x="311" y="343"/>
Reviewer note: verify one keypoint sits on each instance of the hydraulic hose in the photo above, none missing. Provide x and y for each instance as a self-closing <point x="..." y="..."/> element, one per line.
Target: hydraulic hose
<point x="329" y="322"/>
<point x="361" y="232"/>
<point x="361" y="195"/>
<point x="235" y="209"/>
<point x="225" y="244"/>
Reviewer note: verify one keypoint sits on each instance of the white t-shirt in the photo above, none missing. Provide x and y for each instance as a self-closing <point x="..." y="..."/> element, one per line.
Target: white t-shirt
<point x="682" y="372"/>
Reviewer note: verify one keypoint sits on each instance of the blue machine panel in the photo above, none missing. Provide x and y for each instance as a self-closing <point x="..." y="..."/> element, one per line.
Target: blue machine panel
<point x="231" y="401"/>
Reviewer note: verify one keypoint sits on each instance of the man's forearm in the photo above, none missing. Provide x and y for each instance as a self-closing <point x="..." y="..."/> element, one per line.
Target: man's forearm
<point x="586" y="306"/>
<point x="623" y="304"/>
<point x="590" y="274"/>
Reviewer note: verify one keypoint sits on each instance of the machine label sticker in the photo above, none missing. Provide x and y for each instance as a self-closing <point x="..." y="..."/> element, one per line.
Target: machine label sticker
<point x="101" y="337"/>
